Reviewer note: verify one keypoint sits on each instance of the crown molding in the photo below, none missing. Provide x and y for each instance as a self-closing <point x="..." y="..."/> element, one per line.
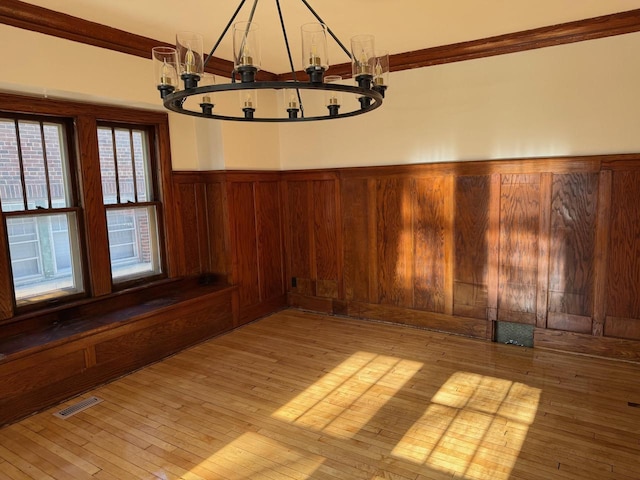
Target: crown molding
<point x="38" y="19"/>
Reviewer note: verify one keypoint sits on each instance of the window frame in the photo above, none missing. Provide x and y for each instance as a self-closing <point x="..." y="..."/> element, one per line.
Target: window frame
<point x="156" y="191"/>
<point x="81" y="122"/>
<point x="74" y="201"/>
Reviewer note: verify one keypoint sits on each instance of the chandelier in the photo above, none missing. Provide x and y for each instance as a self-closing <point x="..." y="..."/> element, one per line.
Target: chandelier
<point x="180" y="74"/>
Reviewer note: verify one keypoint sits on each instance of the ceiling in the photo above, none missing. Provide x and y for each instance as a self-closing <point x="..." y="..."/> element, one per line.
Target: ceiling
<point x="399" y="25"/>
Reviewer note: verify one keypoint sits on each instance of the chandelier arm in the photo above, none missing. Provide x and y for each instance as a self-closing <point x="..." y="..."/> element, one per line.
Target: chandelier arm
<point x="224" y="32"/>
<point x="286" y="42"/>
<point x="328" y="29"/>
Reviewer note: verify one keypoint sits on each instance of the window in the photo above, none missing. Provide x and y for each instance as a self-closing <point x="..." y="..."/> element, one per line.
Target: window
<point x="80" y="202"/>
<point x="40" y="214"/>
<point x="128" y="196"/>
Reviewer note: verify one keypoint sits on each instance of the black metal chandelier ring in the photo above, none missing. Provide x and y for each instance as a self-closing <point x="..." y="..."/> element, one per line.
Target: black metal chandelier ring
<point x="176" y="100"/>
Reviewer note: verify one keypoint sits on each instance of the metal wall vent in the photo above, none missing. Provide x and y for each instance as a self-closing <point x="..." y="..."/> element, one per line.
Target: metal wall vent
<point x="78" y="407"/>
<point x="514" y="334"/>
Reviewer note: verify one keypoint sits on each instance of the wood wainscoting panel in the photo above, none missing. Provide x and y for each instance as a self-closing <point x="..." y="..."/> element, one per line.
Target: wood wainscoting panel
<point x="31" y="373"/>
<point x="623" y="299"/>
<point x="471" y="227"/>
<point x="325" y="238"/>
<point x="177" y="328"/>
<point x="269" y="239"/>
<point x="394" y="241"/>
<point x="430" y="227"/>
<point x="242" y="215"/>
<point x="622" y="327"/>
<point x="299" y="230"/>
<point x="572" y="252"/>
<point x="357" y="242"/>
<point x="189" y="202"/>
<point x="219" y="251"/>
<point x="519" y="230"/>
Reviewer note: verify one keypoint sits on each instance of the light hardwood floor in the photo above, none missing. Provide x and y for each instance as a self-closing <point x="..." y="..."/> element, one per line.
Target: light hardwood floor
<point x="305" y="396"/>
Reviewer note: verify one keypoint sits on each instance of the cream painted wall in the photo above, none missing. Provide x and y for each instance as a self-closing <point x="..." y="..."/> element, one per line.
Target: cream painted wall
<point x="576" y="99"/>
<point x="566" y="100"/>
<point x="43" y="65"/>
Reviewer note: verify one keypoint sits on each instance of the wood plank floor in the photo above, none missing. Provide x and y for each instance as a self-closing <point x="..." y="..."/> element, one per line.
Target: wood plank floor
<point x="304" y="396"/>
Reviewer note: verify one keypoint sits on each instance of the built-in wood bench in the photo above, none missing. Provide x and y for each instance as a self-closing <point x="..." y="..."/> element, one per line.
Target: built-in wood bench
<point x="47" y="358"/>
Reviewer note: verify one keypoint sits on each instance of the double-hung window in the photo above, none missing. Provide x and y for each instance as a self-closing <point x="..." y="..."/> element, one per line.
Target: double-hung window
<point x="80" y="203"/>
<point x="129" y="198"/>
<point x="39" y="206"/>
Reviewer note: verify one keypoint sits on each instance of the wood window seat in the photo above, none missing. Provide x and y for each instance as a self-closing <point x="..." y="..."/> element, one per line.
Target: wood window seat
<point x="49" y="357"/>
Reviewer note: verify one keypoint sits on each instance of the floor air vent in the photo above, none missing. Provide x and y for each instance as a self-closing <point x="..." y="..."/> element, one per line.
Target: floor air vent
<point x="514" y="334"/>
<point x="78" y="407"/>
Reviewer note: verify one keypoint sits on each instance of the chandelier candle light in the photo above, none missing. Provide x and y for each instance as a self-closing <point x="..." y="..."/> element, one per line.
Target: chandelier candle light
<point x="186" y="62"/>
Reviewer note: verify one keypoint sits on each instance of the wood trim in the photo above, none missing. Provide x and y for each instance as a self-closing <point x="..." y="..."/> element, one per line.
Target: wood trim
<point x="542" y="292"/>
<point x="449" y="242"/>
<point x="587" y="344"/>
<point x="561" y="34"/>
<point x="372" y="236"/>
<point x="10" y="102"/>
<point x="558" y="165"/>
<point x="470" y="327"/>
<point x="601" y="252"/>
<point x="169" y="214"/>
<point x="339" y="237"/>
<point x="43" y="20"/>
<point x="6" y="283"/>
<point x="493" y="255"/>
<point x="95" y="219"/>
<point x="38" y="19"/>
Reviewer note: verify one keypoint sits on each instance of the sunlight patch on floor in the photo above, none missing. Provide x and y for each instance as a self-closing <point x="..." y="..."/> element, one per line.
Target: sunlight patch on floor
<point x="474" y="427"/>
<point x="344" y="400"/>
<point x="252" y="455"/>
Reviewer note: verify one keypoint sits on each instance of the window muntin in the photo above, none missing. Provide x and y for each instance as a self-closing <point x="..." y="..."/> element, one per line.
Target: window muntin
<point x="33" y="165"/>
<point x="41" y="222"/>
<point x="125" y="168"/>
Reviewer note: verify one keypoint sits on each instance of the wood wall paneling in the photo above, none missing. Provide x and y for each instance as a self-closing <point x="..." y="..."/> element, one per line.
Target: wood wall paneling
<point x="245" y="247"/>
<point x="519" y="229"/>
<point x="300" y="228"/>
<point x="623" y="300"/>
<point x="428" y="198"/>
<point x="472" y="197"/>
<point x="394" y="241"/>
<point x="189" y="202"/>
<point x="572" y="251"/>
<point x="601" y="254"/>
<point x="358" y="244"/>
<point x="325" y="235"/>
<point x="269" y="241"/>
<point x="217" y="223"/>
<point x="135" y="346"/>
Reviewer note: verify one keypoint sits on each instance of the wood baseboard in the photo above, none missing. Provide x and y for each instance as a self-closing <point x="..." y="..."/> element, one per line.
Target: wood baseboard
<point x="469" y="327"/>
<point x="618" y="348"/>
